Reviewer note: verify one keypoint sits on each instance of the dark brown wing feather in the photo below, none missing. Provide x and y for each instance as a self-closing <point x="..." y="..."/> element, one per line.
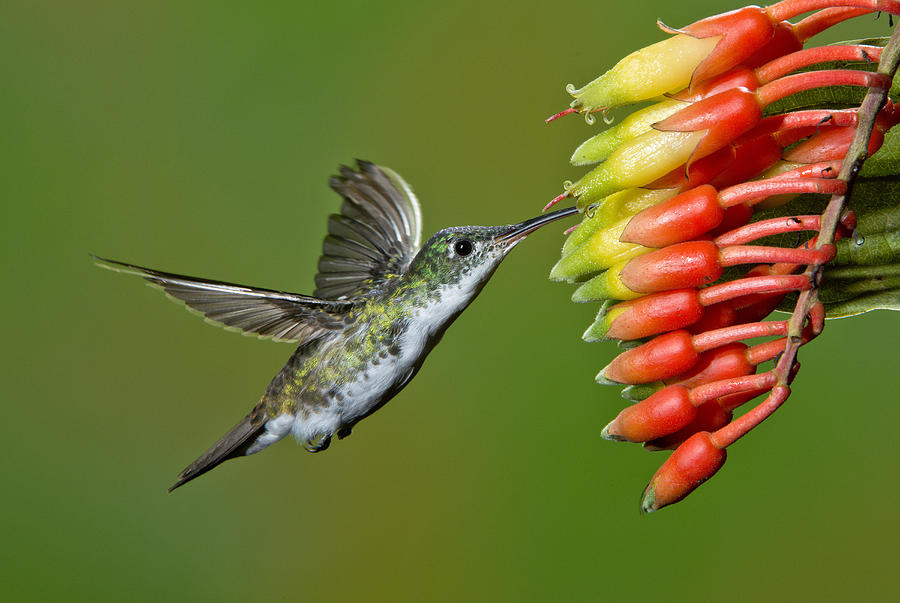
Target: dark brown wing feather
<point x="233" y="444"/>
<point x="376" y="235"/>
<point x="263" y="312"/>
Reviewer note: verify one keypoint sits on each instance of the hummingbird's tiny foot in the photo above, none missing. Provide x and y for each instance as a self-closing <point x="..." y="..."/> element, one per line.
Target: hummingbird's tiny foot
<point x="318" y="444"/>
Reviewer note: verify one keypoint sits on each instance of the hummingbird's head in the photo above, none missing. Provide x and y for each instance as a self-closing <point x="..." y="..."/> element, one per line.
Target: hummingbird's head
<point x="465" y="257"/>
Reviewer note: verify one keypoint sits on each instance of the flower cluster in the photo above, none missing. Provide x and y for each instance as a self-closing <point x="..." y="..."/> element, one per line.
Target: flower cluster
<point x="669" y="244"/>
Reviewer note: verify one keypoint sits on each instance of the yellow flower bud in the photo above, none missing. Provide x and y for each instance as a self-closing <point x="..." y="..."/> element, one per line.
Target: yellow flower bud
<point x="627" y="203"/>
<point x="663" y="67"/>
<point x="636" y="163"/>
<point x="600" y="251"/>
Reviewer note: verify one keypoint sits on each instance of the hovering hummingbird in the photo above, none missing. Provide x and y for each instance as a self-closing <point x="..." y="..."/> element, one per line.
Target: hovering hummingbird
<point x="381" y="304"/>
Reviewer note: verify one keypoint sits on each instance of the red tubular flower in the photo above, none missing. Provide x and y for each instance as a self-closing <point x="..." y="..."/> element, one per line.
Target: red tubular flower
<point x="695" y="212"/>
<point x="665" y="412"/>
<point x="675" y="407"/>
<point x="736" y="162"/>
<point x="692" y="463"/>
<point x="690" y="264"/>
<point x="745" y="76"/>
<point x="678" y="355"/>
<point x="676" y="352"/>
<point x="686" y="265"/>
<point x="724" y="362"/>
<point x="743" y="107"/>
<point x="710" y="417"/>
<point x="742" y="31"/>
<point x="754" y="151"/>
<point x="834" y="142"/>
<point x="697" y="263"/>
<point x="680" y="308"/>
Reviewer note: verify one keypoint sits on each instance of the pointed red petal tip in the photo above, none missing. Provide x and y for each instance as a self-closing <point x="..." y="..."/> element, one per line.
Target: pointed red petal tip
<point x="560" y="114"/>
<point x="555" y="200"/>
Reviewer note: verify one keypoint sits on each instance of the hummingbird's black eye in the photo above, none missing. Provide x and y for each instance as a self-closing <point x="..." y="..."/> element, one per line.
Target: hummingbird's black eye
<point x="463" y="247"/>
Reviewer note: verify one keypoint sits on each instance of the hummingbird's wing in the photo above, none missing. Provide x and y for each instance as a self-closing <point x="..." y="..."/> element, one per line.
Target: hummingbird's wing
<point x="263" y="312"/>
<point x="375" y="236"/>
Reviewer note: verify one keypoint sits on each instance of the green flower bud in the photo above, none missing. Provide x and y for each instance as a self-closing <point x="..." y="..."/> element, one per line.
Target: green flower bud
<point x="598" y="148"/>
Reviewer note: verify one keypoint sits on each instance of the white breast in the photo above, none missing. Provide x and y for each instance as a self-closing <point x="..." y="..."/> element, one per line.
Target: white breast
<point x="382" y="379"/>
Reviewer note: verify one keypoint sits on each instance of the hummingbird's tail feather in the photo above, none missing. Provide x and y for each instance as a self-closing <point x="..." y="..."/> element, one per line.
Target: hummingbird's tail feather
<point x="233" y="444"/>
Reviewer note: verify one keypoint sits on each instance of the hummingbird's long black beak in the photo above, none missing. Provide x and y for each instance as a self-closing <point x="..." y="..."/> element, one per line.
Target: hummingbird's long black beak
<point x="523" y="229"/>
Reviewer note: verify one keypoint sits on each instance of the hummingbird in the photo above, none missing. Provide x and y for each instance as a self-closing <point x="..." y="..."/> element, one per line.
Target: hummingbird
<point x="381" y="304"/>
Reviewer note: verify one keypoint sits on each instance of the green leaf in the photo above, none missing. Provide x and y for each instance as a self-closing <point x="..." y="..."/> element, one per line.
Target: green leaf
<point x="876" y="249"/>
<point x="886" y="162"/>
<point x="865" y="275"/>
<point x="885" y="300"/>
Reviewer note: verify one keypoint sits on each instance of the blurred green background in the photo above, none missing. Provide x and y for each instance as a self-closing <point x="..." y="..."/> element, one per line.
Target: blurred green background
<point x="198" y="138"/>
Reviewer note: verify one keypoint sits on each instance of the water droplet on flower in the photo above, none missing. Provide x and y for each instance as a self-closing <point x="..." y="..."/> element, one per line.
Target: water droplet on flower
<point x="858" y="238"/>
<point x="607" y="118"/>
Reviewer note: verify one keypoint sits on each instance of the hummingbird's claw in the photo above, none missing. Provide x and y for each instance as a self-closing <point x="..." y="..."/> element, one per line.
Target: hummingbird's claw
<point x="318" y="444"/>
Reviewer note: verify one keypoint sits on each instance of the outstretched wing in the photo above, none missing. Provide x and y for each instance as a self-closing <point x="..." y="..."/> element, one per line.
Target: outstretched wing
<point x="262" y="312"/>
<point x="375" y="236"/>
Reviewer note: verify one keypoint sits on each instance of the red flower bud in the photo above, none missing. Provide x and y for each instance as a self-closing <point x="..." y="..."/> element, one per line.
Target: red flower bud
<point x="710" y="417"/>
<point x="692" y="463"/>
<point x="735" y="216"/>
<point x="725" y="362"/>
<point x="724" y="117"/>
<point x="695" y="212"/>
<point x="663" y="356"/>
<point x="664" y="412"/>
<point x="682" y="218"/>
<point x="833" y="143"/>
<point x="654" y="314"/>
<point x="676" y="352"/>
<point x="744" y="76"/>
<point x="680" y="308"/>
<point x="742" y="31"/>
<point x="674" y="408"/>
<point x="716" y="316"/>
<point x="785" y="40"/>
<point x="690" y="264"/>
